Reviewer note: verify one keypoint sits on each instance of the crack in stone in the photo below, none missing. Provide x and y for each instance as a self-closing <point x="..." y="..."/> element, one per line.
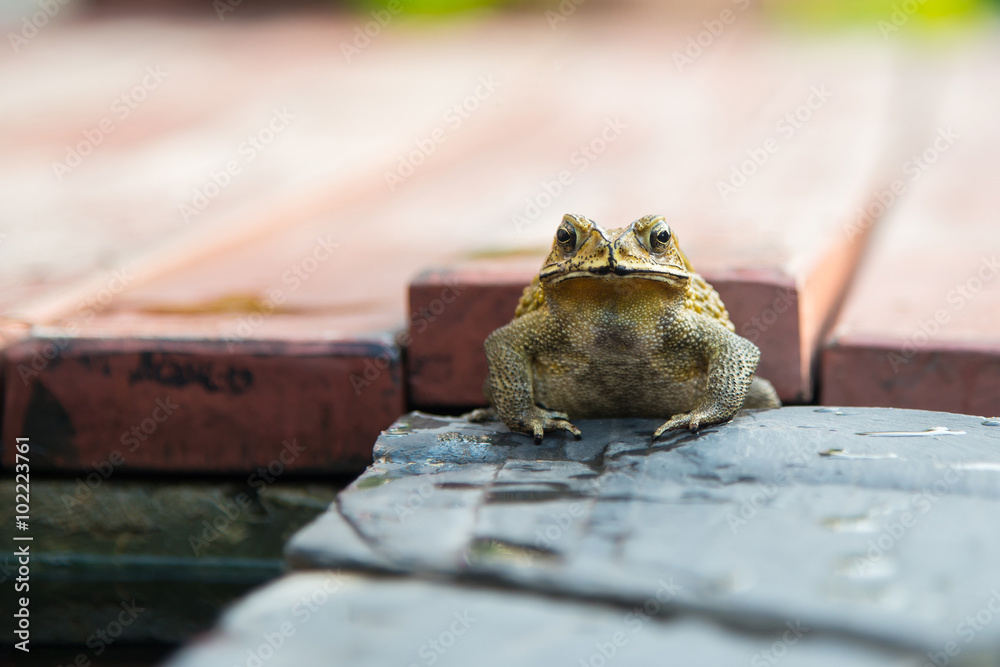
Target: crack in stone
<point x="480" y="502"/>
<point x="371" y="543"/>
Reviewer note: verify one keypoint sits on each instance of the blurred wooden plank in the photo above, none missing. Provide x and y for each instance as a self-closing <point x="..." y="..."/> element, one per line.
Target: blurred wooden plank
<point x="137" y="404"/>
<point x="246" y="291"/>
<point x="154" y="147"/>
<point x="921" y="327"/>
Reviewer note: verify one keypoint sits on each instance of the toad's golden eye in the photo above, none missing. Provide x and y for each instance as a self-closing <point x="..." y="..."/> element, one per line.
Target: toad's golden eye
<point x="659" y="237"/>
<point x="566" y="237"/>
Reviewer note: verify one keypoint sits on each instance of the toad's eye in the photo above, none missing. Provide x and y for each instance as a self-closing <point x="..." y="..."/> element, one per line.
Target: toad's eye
<point x="659" y="237"/>
<point x="566" y="237"/>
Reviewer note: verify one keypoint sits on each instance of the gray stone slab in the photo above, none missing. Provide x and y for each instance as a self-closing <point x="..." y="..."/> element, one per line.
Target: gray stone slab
<point x="324" y="618"/>
<point x="876" y="523"/>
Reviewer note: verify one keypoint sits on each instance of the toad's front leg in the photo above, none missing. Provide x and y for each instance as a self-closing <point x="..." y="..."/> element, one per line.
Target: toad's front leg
<point x="731" y="361"/>
<point x="509" y="351"/>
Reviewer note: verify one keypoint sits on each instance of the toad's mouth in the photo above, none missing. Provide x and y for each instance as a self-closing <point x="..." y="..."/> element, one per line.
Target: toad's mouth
<point x="666" y="274"/>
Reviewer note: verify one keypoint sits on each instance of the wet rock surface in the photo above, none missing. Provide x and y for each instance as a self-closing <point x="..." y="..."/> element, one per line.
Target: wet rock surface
<point x="324" y="618"/>
<point x="871" y="525"/>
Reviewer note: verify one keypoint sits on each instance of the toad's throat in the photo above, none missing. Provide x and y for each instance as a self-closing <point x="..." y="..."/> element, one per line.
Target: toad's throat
<point x="673" y="275"/>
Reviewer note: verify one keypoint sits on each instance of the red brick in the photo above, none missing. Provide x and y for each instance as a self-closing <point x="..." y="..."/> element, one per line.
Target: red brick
<point x="921" y="326"/>
<point x="949" y="377"/>
<point x="446" y="365"/>
<point x="237" y="404"/>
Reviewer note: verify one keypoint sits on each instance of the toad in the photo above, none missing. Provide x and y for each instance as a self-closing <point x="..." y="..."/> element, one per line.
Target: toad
<point x="618" y="324"/>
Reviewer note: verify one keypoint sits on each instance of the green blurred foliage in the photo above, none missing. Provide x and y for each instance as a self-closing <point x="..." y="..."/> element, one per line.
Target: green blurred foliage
<point x="433" y="7"/>
<point x="924" y="13"/>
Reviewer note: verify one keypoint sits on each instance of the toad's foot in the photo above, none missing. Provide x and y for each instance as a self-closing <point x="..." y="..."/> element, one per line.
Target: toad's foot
<point x="692" y="420"/>
<point x="538" y="421"/>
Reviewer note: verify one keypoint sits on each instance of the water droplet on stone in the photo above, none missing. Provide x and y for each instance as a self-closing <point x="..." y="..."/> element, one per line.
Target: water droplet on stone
<point x="851" y="524"/>
<point x="842" y="454"/>
<point x="865" y="567"/>
<point x="992" y="466"/>
<point x="934" y="430"/>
